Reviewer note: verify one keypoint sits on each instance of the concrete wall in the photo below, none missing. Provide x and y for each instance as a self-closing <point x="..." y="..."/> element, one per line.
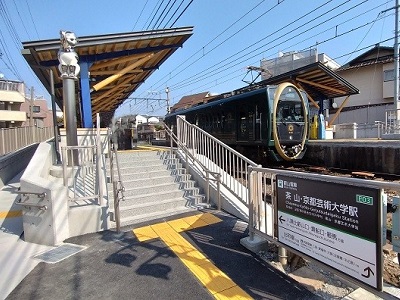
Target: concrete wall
<point x="15" y="162"/>
<point x="49" y="226"/>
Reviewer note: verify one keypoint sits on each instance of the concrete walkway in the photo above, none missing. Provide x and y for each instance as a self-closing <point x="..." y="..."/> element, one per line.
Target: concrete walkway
<point x="16" y="255"/>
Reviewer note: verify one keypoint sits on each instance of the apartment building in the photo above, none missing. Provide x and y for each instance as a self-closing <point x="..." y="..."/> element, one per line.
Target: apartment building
<point x="37" y="113"/>
<point x="18" y="110"/>
<point x="12" y="96"/>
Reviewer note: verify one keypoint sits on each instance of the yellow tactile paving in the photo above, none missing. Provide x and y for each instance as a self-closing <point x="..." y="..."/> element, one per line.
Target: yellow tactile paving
<point x="145" y="233"/>
<point x="10" y="214"/>
<point x="179" y="225"/>
<point x="212" y="278"/>
<point x="216" y="281"/>
<point x="234" y="293"/>
<point x="210" y="218"/>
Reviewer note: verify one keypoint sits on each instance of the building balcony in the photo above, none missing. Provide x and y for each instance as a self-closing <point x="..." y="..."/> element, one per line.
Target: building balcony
<point x="10" y="115"/>
<point x="12" y="96"/>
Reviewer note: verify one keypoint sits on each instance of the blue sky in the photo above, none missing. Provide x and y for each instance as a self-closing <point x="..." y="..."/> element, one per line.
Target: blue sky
<point x="229" y="35"/>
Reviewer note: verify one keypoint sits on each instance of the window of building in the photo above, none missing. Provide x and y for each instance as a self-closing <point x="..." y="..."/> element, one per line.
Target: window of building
<point x="388" y="75"/>
<point x="36" y="109"/>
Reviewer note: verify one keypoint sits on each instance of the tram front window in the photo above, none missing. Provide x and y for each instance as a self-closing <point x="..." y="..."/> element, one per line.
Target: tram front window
<point x="290" y="111"/>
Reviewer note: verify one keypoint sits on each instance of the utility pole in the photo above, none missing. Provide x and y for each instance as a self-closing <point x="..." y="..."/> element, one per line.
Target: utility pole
<point x="168" y="108"/>
<point x="31" y="108"/>
<point x="396" y="66"/>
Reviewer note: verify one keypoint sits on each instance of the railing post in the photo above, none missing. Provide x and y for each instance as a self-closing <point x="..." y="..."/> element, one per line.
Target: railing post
<point x="116" y="207"/>
<point x="251" y="209"/>
<point x="65" y="165"/>
<point x="219" y="191"/>
<point x="208" y="186"/>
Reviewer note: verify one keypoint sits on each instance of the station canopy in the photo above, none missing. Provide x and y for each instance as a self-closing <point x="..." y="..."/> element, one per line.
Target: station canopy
<point x="317" y="80"/>
<point x="129" y="57"/>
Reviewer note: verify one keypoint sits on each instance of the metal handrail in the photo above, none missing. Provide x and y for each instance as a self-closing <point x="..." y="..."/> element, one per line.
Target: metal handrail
<point x="118" y="186"/>
<point x="40" y="195"/>
<point x="219" y="157"/>
<point x="196" y="163"/>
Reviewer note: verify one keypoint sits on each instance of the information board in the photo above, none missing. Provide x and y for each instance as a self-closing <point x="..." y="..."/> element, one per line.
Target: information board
<point x="336" y="224"/>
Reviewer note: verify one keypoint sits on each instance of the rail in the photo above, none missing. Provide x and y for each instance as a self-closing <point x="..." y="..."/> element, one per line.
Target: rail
<point x="118" y="186"/>
<point x="195" y="163"/>
<point x="392" y="121"/>
<point x="27" y="204"/>
<point x="80" y="172"/>
<point x="217" y="157"/>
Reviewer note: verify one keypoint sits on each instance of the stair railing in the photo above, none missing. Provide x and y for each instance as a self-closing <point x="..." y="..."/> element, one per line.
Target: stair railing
<point x="118" y="186"/>
<point x="217" y="157"/>
<point x="196" y="164"/>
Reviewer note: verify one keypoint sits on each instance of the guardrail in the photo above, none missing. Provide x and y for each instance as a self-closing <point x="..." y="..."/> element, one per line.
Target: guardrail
<point x="392" y="121"/>
<point x="217" y="157"/>
<point x="118" y="186"/>
<point x="12" y="139"/>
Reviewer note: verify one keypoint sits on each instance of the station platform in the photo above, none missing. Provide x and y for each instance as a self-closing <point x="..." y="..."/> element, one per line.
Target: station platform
<point x="370" y="155"/>
<point x="195" y="255"/>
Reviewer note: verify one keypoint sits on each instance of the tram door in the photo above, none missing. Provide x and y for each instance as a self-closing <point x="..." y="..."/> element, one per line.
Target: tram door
<point x="246" y="124"/>
<point x="257" y="125"/>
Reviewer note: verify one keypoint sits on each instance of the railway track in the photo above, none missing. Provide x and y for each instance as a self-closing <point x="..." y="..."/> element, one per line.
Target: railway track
<point x="345" y="172"/>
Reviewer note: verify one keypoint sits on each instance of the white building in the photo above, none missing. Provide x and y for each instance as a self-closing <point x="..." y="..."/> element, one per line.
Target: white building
<point x="288" y="61"/>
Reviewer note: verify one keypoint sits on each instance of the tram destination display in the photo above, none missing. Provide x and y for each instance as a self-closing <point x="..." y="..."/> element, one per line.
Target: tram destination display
<point x="336" y="224"/>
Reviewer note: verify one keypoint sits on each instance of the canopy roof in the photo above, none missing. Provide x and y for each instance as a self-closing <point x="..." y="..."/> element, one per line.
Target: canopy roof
<point x="319" y="82"/>
<point x="129" y="57"/>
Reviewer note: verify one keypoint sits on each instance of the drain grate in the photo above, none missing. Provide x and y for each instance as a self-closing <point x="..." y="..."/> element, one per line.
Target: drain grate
<point x="60" y="253"/>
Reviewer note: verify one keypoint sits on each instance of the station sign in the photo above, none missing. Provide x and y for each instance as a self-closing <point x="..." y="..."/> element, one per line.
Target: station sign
<point x="336" y="224"/>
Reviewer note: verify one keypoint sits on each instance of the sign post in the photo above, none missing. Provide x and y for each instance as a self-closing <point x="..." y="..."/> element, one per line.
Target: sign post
<point x="336" y="224"/>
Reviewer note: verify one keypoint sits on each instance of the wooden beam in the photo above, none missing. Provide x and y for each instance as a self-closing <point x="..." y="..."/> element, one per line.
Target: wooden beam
<point x="113" y="62"/>
<point x="103" y="83"/>
<point x="110" y="91"/>
<point x="338" y="111"/>
<point x="321" y="86"/>
<point x="308" y="96"/>
<point x="110" y="72"/>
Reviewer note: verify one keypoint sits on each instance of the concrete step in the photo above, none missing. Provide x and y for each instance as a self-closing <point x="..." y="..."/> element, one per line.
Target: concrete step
<point x="158" y="195"/>
<point x="158" y="205"/>
<point x="136" y="219"/>
<point x="156" y="185"/>
<point x="140" y="190"/>
<point x="153" y="182"/>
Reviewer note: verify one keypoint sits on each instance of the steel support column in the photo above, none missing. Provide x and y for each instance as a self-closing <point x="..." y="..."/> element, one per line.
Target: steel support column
<point x="86" y="102"/>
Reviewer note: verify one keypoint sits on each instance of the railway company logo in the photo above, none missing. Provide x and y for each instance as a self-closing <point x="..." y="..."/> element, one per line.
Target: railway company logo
<point x="280" y="183"/>
<point x="364" y="199"/>
<point x="284" y="184"/>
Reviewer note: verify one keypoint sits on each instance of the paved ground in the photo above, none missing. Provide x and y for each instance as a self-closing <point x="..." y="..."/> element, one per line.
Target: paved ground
<point x="121" y="267"/>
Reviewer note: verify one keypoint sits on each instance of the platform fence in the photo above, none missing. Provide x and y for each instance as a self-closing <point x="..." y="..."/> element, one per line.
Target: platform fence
<point x="13" y="139"/>
<point x="392" y="121"/>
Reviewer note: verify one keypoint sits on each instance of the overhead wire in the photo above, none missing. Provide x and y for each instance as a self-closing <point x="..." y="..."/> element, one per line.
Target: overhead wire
<point x="173" y="15"/>
<point x="159" y="21"/>
<point x="33" y="21"/>
<point x="206" y="72"/>
<point x="141" y="12"/>
<point x="155" y="14"/>
<point x="177" y="68"/>
<point x="150" y="16"/>
<point x="264" y="45"/>
<point x="180" y="15"/>
<point x="193" y="81"/>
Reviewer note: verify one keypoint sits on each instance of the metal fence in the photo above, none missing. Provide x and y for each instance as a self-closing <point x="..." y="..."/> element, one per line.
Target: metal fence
<point x="217" y="157"/>
<point x="392" y="122"/>
<point x="12" y="139"/>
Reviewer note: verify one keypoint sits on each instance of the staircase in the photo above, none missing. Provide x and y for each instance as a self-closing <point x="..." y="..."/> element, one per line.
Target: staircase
<point x="156" y="186"/>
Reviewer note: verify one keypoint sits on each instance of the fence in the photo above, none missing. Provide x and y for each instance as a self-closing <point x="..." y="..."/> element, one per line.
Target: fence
<point x="12" y="139"/>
